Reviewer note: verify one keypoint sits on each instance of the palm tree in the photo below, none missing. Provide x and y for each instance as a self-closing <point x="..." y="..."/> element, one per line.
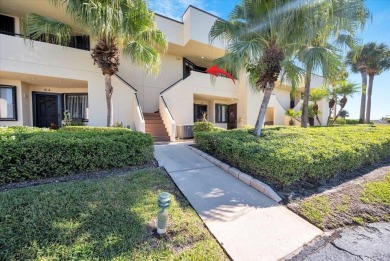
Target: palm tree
<point x="119" y="26"/>
<point x="379" y="61"/>
<point x="336" y="79"/>
<point x="344" y="90"/>
<point x="357" y="59"/>
<point x="319" y="56"/>
<point x="341" y="24"/>
<point x="344" y="114"/>
<point x="261" y="35"/>
<point x="317" y="95"/>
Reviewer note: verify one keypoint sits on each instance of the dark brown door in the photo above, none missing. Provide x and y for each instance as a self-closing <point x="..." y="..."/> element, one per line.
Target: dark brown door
<point x="232" y="119"/>
<point x="46" y="110"/>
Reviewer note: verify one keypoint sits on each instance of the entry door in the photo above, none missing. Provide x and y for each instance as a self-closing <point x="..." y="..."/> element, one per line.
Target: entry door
<point x="46" y="110"/>
<point x="232" y="119"/>
<point x="199" y="109"/>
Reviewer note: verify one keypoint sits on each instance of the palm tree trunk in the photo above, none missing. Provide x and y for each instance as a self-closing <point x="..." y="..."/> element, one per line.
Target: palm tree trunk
<point x="369" y="94"/>
<point x="263" y="109"/>
<point x="305" y="106"/>
<point x="318" y="119"/>
<point x="329" y="115"/>
<point x="109" y="90"/>
<point x="335" y="105"/>
<point x="363" y="100"/>
<point x="341" y="108"/>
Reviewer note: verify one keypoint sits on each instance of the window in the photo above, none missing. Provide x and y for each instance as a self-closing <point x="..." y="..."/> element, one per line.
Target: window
<point x="8" y="103"/>
<point x="7" y="25"/>
<point x="221" y="113"/>
<point x="77" y="105"/>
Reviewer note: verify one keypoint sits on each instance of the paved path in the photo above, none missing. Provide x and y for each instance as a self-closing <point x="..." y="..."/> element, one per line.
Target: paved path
<point x="357" y="243"/>
<point x="249" y="225"/>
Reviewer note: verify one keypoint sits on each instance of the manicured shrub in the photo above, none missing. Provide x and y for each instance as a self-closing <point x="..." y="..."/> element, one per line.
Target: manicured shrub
<point x="203" y="126"/>
<point x="287" y="155"/>
<point x="352" y="121"/>
<point x="30" y="153"/>
<point x="341" y="121"/>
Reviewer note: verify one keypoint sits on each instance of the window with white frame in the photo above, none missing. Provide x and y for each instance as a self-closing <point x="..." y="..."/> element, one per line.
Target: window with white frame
<point x="77" y="106"/>
<point x="221" y="113"/>
<point x="8" y="103"/>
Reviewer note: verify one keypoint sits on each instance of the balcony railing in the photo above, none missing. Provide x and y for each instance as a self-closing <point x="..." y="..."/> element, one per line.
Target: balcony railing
<point x="77" y="42"/>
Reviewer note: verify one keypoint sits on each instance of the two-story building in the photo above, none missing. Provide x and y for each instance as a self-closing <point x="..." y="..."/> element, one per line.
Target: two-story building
<point x="40" y="80"/>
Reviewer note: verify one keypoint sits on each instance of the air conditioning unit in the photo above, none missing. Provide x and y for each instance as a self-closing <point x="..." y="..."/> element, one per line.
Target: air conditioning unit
<point x="185" y="131"/>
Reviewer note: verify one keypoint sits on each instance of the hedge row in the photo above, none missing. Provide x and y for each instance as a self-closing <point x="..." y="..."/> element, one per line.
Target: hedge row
<point x="287" y="155"/>
<point x="205" y="126"/>
<point x="30" y="153"/>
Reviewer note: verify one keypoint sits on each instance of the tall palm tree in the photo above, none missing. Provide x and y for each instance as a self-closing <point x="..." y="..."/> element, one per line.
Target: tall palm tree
<point x="119" y="26"/>
<point x="263" y="34"/>
<point x="379" y="61"/>
<point x="357" y="59"/>
<point x="344" y="90"/>
<point x="340" y="23"/>
<point x="320" y="56"/>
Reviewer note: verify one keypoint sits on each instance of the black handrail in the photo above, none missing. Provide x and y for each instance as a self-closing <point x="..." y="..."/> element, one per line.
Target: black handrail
<point x="166" y="106"/>
<point x="135" y="93"/>
<point x="10" y="33"/>
<point x="171" y="86"/>
<point x="70" y="45"/>
<point x="128" y="84"/>
<point x="139" y="106"/>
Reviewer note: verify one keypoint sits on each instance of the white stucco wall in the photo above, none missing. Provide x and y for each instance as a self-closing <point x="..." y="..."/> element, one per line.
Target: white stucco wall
<point x="173" y="30"/>
<point x="180" y="98"/>
<point x="150" y="86"/>
<point x="56" y="61"/>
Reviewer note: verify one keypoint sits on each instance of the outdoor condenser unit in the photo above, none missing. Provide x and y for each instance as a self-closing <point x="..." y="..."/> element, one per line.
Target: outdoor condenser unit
<point x="185" y="131"/>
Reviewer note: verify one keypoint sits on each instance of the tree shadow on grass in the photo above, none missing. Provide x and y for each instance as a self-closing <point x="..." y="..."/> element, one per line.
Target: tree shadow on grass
<point x="80" y="220"/>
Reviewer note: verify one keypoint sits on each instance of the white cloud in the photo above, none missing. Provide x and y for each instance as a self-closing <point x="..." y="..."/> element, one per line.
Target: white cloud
<point x="175" y="8"/>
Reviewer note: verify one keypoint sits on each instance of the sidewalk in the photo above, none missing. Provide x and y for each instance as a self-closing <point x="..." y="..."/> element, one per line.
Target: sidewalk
<point x="248" y="224"/>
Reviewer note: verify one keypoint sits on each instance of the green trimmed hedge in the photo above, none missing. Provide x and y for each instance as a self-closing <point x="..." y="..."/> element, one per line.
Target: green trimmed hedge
<point x="205" y="126"/>
<point x="284" y="156"/>
<point x="31" y="153"/>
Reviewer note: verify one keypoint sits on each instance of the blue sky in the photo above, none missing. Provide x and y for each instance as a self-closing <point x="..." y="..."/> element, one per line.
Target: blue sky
<point x="376" y="30"/>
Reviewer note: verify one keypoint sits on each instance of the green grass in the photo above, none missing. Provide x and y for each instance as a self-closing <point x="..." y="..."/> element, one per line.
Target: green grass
<point x="106" y="219"/>
<point x="354" y="204"/>
<point x="377" y="192"/>
<point x="316" y="209"/>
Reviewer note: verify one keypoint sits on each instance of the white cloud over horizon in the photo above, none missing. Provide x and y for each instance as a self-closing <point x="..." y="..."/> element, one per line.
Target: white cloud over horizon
<point x="175" y="8"/>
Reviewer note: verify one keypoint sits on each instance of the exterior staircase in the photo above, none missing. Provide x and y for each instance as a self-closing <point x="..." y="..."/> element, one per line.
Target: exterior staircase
<point x="154" y="125"/>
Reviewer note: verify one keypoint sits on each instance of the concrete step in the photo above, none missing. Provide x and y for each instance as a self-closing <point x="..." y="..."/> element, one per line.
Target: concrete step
<point x="155" y="127"/>
<point x="158" y="132"/>
<point x="152" y="115"/>
<point x="161" y="138"/>
<point x="154" y="121"/>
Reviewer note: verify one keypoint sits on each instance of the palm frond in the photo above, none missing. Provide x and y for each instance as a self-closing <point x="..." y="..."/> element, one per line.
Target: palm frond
<point x="292" y="74"/>
<point x="37" y="27"/>
<point x="318" y="94"/>
<point x="143" y="55"/>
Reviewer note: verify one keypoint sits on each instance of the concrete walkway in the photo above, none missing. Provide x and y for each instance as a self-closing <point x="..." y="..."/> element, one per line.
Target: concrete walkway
<point x="248" y="225"/>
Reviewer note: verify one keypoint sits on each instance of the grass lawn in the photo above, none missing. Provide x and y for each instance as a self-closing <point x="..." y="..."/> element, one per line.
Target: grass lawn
<point x="353" y="204"/>
<point x="111" y="218"/>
